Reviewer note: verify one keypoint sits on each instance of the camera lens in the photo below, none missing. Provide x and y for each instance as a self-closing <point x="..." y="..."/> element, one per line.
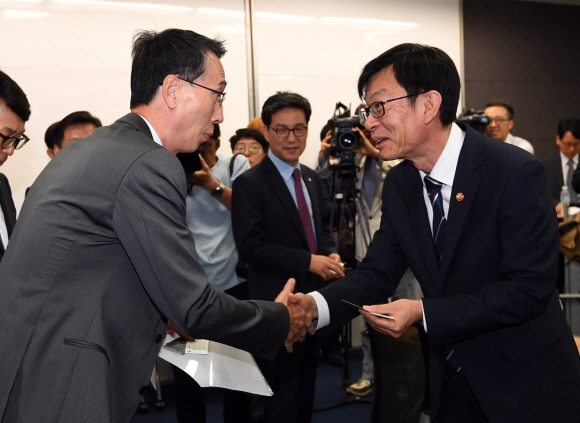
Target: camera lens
<point x="347" y="141"/>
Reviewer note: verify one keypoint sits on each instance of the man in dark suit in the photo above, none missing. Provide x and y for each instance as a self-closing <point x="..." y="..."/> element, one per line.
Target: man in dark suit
<point x="14" y="112"/>
<point x="276" y="217"/>
<point x="473" y="219"/>
<point x="560" y="168"/>
<point x="102" y="257"/>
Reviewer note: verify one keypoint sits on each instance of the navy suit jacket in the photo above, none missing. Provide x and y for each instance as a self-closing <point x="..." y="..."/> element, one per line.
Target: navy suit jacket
<point x="556" y="181"/>
<point x="492" y="297"/>
<point x="269" y="233"/>
<point x="7" y="208"/>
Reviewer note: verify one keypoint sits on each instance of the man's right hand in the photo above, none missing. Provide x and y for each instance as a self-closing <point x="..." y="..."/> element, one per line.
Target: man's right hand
<point x="299" y="320"/>
<point x="322" y="266"/>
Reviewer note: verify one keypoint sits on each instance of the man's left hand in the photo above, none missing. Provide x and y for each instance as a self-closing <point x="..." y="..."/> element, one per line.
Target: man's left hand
<point x="405" y="313"/>
<point x="299" y="319"/>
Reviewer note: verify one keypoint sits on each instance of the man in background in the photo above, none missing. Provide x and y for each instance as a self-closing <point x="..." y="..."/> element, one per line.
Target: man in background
<point x="501" y="116"/>
<point x="102" y="257"/>
<point x="14" y="112"/>
<point x="278" y="228"/>
<point x="75" y="126"/>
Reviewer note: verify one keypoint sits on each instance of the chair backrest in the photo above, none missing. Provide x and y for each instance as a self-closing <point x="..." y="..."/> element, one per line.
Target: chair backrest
<point x="399" y="377"/>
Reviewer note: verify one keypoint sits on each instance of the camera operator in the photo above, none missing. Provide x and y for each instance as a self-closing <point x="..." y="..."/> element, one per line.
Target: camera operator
<point x="209" y="220"/>
<point x="371" y="172"/>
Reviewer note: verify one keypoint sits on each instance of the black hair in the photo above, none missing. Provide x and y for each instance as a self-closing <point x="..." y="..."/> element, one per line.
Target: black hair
<point x="75" y="118"/>
<point x="173" y="51"/>
<point x="216" y="131"/>
<point x="504" y="104"/>
<point x="419" y="68"/>
<point x="252" y="134"/>
<point x="49" y="135"/>
<point x="569" y="124"/>
<point x="282" y="100"/>
<point x="12" y="95"/>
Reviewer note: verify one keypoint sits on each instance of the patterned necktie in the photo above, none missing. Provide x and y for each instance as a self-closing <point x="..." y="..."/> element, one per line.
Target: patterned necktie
<point x="303" y="210"/>
<point x="439" y="222"/>
<point x="573" y="194"/>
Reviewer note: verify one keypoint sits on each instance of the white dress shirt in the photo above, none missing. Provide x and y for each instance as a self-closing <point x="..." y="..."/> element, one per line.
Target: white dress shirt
<point x="565" y="161"/>
<point x="443" y="171"/>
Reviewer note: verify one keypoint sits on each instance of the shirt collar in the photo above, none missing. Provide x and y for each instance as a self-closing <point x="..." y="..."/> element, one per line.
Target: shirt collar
<point x="153" y="133"/>
<point x="284" y="168"/>
<point x="566" y="159"/>
<point x="444" y="169"/>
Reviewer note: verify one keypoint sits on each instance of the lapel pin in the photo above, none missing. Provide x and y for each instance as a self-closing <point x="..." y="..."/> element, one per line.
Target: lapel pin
<point x="310" y="180"/>
<point x="459" y="196"/>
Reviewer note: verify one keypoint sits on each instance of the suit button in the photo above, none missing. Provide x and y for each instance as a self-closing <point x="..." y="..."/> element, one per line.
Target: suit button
<point x="142" y="390"/>
<point x="158" y="339"/>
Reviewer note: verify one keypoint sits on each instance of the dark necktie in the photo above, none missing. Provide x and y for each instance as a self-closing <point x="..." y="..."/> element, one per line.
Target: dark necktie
<point x="573" y="194"/>
<point x="439" y="222"/>
<point x="303" y="211"/>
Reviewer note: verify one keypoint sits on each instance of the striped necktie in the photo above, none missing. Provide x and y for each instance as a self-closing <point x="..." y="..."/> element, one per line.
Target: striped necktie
<point x="439" y="222"/>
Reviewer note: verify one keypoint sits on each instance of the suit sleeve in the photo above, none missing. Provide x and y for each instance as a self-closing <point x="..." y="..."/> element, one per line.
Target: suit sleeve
<point x="576" y="179"/>
<point x="149" y="219"/>
<point x="528" y="243"/>
<point x="249" y="212"/>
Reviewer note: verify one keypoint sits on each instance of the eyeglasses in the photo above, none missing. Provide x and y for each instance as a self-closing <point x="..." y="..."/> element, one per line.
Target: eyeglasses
<point x="283" y="132"/>
<point x="221" y="94"/>
<point x="377" y="109"/>
<point x="241" y="150"/>
<point x="13" y="141"/>
<point x="498" y="121"/>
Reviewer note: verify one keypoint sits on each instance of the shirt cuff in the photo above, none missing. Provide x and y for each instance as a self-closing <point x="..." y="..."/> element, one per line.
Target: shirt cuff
<point x="323" y="311"/>
<point x="424" y="319"/>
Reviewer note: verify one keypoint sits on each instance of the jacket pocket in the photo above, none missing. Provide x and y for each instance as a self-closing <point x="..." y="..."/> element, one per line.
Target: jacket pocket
<point x="85" y="344"/>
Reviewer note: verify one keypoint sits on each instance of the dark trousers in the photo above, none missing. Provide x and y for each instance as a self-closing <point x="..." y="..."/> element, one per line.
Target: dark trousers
<point x="292" y="377"/>
<point x="189" y="402"/>
<point x="458" y="403"/>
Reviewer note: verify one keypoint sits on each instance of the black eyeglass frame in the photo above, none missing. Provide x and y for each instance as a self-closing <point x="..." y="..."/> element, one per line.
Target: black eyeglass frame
<point x="364" y="112"/>
<point x="8" y="141"/>
<point x="221" y="94"/>
<point x="305" y="128"/>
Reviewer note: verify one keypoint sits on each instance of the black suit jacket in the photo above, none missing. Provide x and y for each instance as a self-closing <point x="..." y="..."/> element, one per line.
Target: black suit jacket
<point x="7" y="208"/>
<point x="100" y="259"/>
<point x="269" y="233"/>
<point x="556" y="181"/>
<point x="492" y="296"/>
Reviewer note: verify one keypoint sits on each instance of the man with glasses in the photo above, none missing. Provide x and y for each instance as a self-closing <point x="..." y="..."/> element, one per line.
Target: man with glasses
<point x="501" y="115"/>
<point x="14" y="112"/>
<point x="279" y="231"/>
<point x="251" y="143"/>
<point x="102" y="256"/>
<point x="474" y="221"/>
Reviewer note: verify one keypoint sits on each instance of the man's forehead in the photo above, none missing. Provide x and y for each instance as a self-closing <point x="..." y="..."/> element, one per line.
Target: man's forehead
<point x="10" y="123"/>
<point x="289" y="114"/>
<point x="381" y="84"/>
<point x="497" y="110"/>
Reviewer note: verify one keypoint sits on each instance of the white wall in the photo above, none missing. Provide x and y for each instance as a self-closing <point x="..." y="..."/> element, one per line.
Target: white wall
<point x="70" y="55"/>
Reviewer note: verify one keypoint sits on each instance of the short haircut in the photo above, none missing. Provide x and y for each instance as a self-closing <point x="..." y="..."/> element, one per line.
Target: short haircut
<point x="12" y="95"/>
<point x="418" y="68"/>
<point x="569" y="124"/>
<point x="282" y="100"/>
<point x="502" y="103"/>
<point x="216" y="131"/>
<point x="75" y="118"/>
<point x="173" y="51"/>
<point x="251" y="134"/>
<point x="49" y="135"/>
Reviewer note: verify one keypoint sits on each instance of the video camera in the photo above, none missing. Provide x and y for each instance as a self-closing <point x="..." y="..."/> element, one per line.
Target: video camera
<point x="477" y="119"/>
<point x="344" y="138"/>
<point x="190" y="161"/>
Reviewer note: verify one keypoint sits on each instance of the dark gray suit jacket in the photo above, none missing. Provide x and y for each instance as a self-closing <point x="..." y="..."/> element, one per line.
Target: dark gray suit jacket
<point x="492" y="296"/>
<point x="101" y="257"/>
<point x="8" y="208"/>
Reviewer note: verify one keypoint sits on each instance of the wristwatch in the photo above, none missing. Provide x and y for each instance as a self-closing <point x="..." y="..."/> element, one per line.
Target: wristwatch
<point x="217" y="193"/>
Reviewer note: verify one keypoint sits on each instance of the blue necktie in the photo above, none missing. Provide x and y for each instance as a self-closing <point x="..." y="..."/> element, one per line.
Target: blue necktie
<point x="439" y="222"/>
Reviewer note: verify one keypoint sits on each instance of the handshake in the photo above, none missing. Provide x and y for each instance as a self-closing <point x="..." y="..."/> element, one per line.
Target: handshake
<point x="302" y="309"/>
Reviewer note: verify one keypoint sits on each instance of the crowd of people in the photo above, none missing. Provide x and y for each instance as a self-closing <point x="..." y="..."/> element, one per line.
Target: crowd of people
<point x="116" y="243"/>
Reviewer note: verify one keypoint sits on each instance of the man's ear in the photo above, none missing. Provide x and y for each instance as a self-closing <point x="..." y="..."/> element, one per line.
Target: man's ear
<point x="217" y="144"/>
<point x="50" y="152"/>
<point x="431" y="106"/>
<point x="511" y="124"/>
<point x="169" y="91"/>
<point x="55" y="150"/>
<point x="558" y="140"/>
<point x="266" y="133"/>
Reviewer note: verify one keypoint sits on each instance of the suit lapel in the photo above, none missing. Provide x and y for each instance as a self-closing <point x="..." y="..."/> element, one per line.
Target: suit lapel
<point x="465" y="185"/>
<point x="419" y="219"/>
<point x="281" y="189"/>
<point x="314" y="195"/>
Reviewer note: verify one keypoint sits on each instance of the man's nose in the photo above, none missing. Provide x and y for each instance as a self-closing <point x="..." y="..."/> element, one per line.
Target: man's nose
<point x="218" y="116"/>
